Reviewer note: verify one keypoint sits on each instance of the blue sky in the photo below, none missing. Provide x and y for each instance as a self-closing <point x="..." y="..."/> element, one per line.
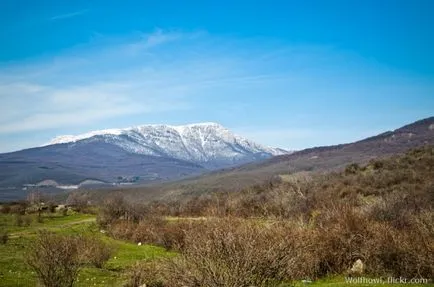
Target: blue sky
<point x="291" y="74"/>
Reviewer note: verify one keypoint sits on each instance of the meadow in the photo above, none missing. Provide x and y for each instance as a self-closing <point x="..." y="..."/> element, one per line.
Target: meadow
<point x="15" y="272"/>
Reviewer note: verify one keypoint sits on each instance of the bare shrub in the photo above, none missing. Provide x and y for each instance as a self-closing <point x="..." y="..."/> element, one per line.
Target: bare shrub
<point x="23" y="220"/>
<point x="122" y="229"/>
<point x="147" y="230"/>
<point x="172" y="235"/>
<point x="54" y="258"/>
<point x="336" y="241"/>
<point x="231" y="252"/>
<point x="19" y="208"/>
<point x="78" y="201"/>
<point x="36" y="199"/>
<point x="4" y="236"/>
<point x="397" y="208"/>
<point x="343" y="235"/>
<point x="156" y="230"/>
<point x="51" y="207"/>
<point x="408" y="253"/>
<point x="96" y="252"/>
<point x="144" y="274"/>
<point x="5" y="208"/>
<point x="114" y="208"/>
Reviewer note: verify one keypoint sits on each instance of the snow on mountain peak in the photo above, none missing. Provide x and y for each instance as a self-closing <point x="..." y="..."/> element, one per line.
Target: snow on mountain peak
<point x="200" y="142"/>
<point x="72" y="138"/>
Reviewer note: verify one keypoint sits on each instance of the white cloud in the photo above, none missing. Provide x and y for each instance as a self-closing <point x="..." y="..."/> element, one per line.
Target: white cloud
<point x="115" y="78"/>
<point x="159" y="37"/>
<point x="78" y="105"/>
<point x="69" y="15"/>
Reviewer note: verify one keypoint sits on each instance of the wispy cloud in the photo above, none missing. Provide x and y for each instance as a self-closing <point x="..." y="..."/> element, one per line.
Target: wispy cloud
<point x="109" y="81"/>
<point x="49" y="107"/>
<point x="69" y="15"/>
<point x="173" y="76"/>
<point x="157" y="38"/>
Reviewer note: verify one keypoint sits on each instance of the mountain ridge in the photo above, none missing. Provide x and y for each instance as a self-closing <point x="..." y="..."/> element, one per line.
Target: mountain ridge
<point x="203" y="143"/>
<point x="136" y="155"/>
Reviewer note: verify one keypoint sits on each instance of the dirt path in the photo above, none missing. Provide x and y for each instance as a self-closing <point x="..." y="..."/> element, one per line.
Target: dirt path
<point x="77" y="222"/>
<point x="35" y="229"/>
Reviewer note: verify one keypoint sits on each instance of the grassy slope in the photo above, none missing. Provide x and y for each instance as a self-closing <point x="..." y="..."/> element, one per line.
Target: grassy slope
<point x="14" y="271"/>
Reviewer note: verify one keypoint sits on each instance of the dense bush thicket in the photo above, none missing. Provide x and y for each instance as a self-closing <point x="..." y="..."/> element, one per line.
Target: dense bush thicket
<point x="302" y="226"/>
<point x="233" y="252"/>
<point x="388" y="185"/>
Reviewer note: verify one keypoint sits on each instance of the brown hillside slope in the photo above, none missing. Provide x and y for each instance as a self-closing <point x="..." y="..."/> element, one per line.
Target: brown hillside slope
<point x="318" y="159"/>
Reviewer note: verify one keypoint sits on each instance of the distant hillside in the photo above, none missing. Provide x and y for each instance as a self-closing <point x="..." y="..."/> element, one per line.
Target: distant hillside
<point x="316" y="159"/>
<point x="410" y="136"/>
<point x="397" y="184"/>
<point x="77" y="164"/>
<point x="136" y="155"/>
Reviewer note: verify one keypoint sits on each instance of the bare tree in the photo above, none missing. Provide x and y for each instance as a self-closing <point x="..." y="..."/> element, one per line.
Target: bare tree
<point x="36" y="199"/>
<point x="55" y="259"/>
<point x="77" y="200"/>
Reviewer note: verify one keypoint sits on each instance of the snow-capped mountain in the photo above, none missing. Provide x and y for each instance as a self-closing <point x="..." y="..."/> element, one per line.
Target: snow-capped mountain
<point x="136" y="155"/>
<point x="208" y="144"/>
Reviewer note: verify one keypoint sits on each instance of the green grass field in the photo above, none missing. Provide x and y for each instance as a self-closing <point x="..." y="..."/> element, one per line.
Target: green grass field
<point x="14" y="271"/>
